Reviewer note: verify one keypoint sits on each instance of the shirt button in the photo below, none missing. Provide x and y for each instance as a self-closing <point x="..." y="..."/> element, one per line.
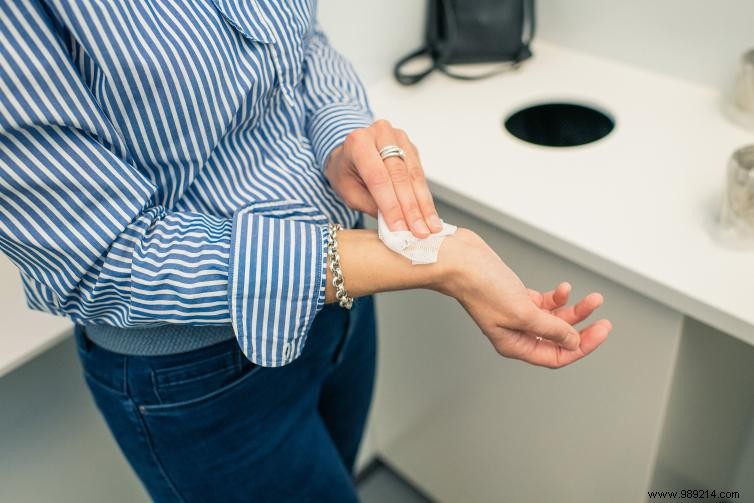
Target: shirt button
<point x="286" y="350"/>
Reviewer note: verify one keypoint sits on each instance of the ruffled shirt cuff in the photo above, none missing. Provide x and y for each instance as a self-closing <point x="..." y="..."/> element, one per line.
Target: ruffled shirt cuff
<point x="277" y="278"/>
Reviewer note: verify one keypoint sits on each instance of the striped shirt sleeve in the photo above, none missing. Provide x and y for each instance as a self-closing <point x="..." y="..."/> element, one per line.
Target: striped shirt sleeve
<point x="335" y="100"/>
<point x="78" y="218"/>
<point x="277" y="278"/>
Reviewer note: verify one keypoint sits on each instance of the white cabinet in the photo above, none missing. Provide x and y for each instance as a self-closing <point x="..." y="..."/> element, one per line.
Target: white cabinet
<point x="467" y="425"/>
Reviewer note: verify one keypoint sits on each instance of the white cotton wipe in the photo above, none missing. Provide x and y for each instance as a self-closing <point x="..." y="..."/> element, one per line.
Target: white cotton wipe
<point x="418" y="251"/>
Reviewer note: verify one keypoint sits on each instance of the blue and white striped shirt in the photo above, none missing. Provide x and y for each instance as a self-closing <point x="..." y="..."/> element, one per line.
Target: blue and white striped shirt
<point x="162" y="162"/>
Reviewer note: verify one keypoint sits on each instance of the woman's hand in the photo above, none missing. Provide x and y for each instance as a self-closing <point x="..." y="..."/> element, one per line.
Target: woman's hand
<point x="520" y="323"/>
<point x="511" y="316"/>
<point x="395" y="186"/>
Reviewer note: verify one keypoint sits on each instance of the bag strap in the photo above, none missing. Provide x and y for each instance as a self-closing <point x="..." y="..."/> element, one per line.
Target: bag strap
<point x="409" y="79"/>
<point x="438" y="64"/>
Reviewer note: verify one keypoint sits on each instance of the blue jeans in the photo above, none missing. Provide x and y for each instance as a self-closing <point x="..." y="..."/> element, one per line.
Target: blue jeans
<point x="208" y="425"/>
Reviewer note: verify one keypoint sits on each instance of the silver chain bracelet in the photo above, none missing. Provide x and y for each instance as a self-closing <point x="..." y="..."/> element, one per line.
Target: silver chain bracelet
<point x="334" y="263"/>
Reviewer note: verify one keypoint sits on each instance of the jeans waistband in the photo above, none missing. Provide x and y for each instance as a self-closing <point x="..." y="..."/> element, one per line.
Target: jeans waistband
<point x="329" y="336"/>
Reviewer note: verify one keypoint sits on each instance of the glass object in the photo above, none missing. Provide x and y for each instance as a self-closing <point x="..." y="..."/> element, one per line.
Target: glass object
<point x="737" y="213"/>
<point x="741" y="105"/>
<point x="744" y="94"/>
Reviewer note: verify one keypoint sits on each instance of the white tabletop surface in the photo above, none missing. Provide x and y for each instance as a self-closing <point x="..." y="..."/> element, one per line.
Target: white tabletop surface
<point x="636" y="207"/>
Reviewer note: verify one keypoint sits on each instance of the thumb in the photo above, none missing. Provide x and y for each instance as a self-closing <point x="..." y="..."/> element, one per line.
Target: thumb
<point x="554" y="329"/>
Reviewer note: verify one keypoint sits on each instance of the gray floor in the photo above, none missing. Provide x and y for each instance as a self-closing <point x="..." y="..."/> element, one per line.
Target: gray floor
<point x="380" y="484"/>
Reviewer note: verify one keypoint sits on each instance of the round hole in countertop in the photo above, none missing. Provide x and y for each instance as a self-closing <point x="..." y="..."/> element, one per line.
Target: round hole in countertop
<point x="559" y="124"/>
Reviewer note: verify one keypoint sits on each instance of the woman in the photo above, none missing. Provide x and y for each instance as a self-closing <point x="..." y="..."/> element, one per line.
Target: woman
<point x="169" y="170"/>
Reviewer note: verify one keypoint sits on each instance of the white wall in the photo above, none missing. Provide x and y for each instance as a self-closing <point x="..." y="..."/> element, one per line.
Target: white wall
<point x="698" y="40"/>
<point x="373" y="34"/>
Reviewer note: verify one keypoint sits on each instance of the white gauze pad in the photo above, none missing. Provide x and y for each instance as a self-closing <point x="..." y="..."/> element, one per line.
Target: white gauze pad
<point x="418" y="251"/>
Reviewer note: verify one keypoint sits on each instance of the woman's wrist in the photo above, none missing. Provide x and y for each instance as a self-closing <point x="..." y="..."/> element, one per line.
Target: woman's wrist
<point x="368" y="266"/>
<point x="453" y="261"/>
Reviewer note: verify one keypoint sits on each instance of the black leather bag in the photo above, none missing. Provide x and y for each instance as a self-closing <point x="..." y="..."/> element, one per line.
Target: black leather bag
<point x="473" y="31"/>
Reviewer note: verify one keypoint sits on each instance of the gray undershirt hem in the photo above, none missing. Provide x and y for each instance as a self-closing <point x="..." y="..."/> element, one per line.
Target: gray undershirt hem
<point x="157" y="341"/>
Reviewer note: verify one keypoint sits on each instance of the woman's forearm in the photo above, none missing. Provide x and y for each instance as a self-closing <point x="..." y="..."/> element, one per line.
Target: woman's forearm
<point x="371" y="267"/>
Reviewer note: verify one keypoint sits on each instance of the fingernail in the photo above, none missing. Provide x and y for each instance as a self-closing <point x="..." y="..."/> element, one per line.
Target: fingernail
<point x="421" y="227"/>
<point x="435" y="222"/>
<point x="400" y="225"/>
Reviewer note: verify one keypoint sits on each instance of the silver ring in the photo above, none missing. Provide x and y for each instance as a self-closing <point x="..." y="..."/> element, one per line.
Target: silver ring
<point x="539" y="338"/>
<point x="392" y="151"/>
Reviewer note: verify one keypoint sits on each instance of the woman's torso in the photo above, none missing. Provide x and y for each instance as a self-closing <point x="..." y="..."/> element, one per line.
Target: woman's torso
<point x="206" y="96"/>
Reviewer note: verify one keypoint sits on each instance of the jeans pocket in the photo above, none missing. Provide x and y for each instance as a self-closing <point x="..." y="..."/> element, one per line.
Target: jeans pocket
<point x="193" y="381"/>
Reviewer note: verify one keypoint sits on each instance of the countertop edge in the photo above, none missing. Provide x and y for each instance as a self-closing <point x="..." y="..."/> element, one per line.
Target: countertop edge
<point x="9" y="366"/>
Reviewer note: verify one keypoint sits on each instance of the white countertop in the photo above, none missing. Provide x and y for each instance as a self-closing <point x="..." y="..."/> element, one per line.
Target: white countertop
<point x="636" y="207"/>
